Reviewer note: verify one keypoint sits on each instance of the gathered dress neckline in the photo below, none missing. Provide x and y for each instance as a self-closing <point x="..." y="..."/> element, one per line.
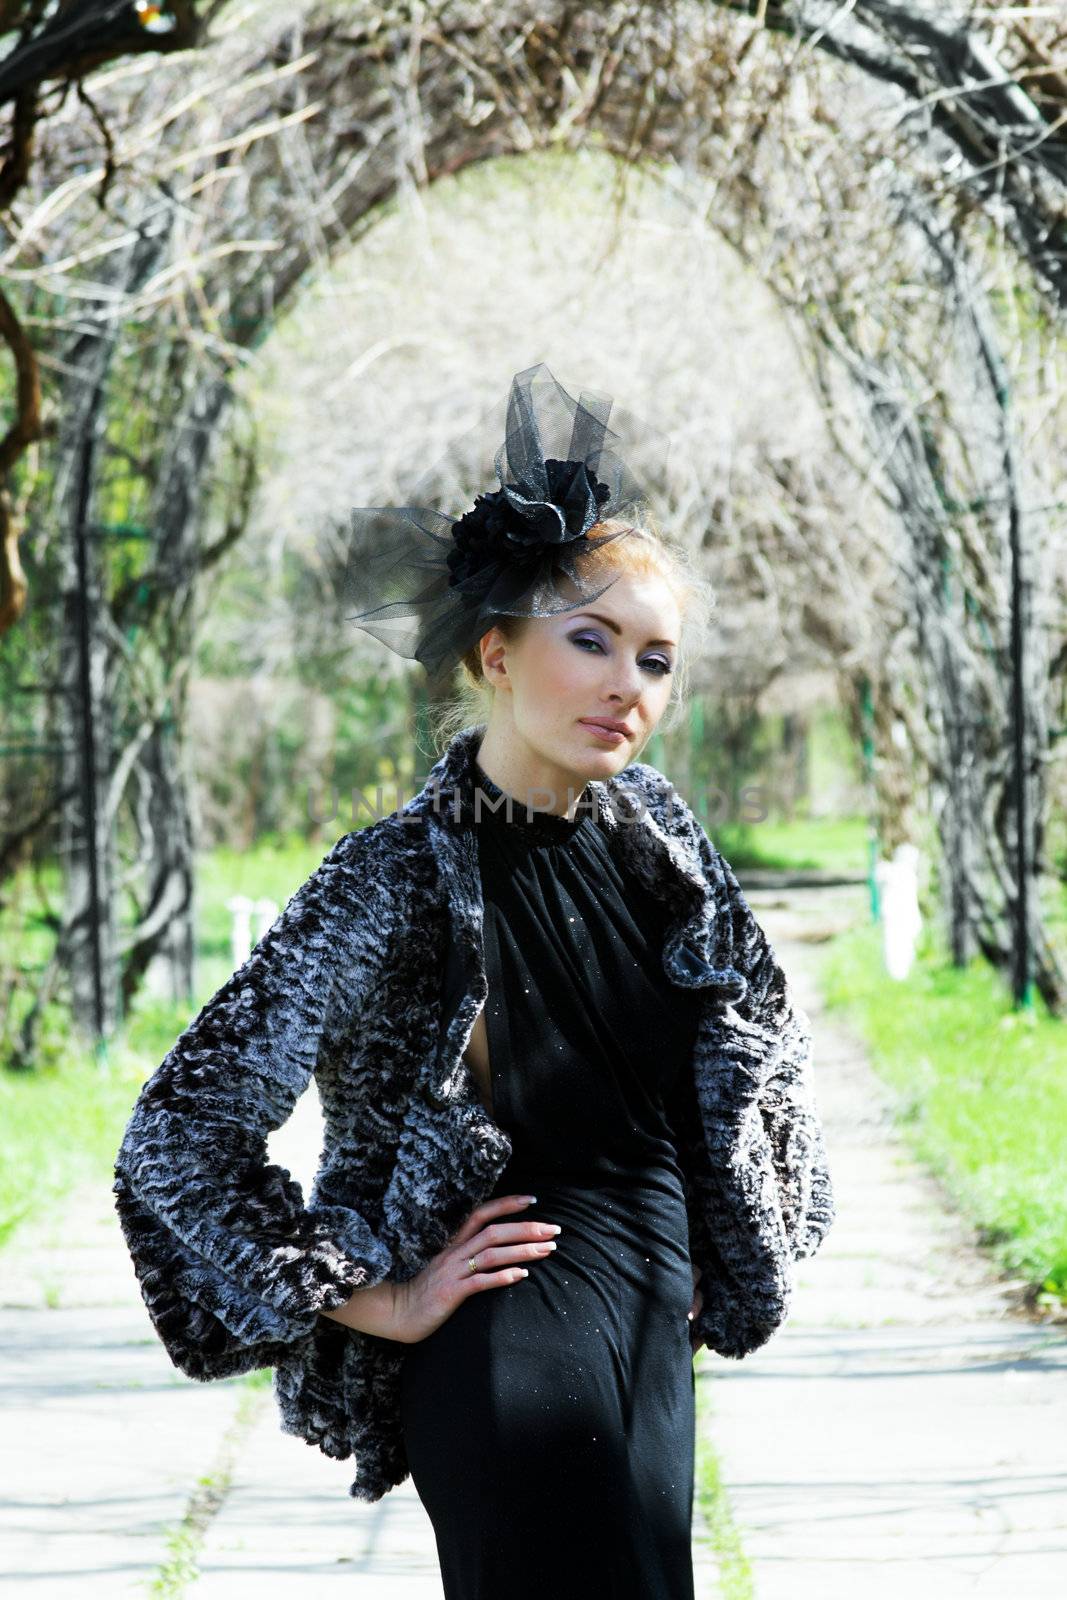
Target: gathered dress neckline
<point x="521" y="824"/>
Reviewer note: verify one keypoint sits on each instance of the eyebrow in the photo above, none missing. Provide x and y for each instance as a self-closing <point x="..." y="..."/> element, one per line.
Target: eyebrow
<point x="614" y="626"/>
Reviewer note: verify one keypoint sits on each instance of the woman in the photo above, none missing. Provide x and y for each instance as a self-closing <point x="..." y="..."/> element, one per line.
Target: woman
<point x="550" y="1428"/>
<point x="537" y="1356"/>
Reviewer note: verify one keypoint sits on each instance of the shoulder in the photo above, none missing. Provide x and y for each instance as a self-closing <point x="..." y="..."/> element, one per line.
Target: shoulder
<point x="677" y="819"/>
<point x="644" y="780"/>
<point x="392" y="843"/>
<point x="658" y="793"/>
<point x="366" y="872"/>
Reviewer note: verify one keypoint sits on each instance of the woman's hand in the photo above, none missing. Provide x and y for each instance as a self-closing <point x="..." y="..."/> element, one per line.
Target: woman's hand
<point x="413" y="1310"/>
<point x="694" y="1309"/>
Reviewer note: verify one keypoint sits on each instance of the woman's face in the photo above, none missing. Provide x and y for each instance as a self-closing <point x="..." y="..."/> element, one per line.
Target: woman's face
<point x="564" y="675"/>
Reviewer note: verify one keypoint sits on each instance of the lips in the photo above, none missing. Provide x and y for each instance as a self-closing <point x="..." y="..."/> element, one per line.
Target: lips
<point x="606" y="722"/>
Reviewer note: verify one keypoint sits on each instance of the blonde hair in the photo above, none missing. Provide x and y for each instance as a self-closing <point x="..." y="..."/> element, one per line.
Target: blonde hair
<point x="643" y="552"/>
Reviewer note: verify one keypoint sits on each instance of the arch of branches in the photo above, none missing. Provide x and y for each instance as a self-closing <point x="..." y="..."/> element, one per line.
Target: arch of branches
<point x="901" y="183"/>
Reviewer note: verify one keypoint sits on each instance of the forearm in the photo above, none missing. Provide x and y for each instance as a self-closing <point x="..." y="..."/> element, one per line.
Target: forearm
<point x="371" y="1310"/>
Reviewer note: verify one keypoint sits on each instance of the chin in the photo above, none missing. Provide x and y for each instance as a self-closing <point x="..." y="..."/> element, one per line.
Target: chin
<point x="605" y="763"/>
<point x="588" y="760"/>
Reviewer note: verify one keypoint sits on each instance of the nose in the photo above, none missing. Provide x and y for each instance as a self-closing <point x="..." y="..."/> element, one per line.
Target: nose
<point x="624" y="691"/>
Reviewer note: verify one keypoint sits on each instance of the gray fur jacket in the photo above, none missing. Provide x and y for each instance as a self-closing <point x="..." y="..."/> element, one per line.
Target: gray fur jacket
<point x="371" y="980"/>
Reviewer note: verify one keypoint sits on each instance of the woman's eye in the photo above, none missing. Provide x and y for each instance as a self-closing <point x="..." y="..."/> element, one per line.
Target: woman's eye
<point x="659" y="666"/>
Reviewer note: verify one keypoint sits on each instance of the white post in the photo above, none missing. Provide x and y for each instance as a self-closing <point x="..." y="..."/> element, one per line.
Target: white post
<point x="898" y="885"/>
<point x="241" y="932"/>
<point x="267" y="915"/>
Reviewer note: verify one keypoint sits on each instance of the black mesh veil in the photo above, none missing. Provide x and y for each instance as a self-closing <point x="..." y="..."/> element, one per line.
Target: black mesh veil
<point x="429" y="585"/>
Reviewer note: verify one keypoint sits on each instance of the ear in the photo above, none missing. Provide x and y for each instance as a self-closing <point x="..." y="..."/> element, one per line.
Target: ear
<point x="494" y="648"/>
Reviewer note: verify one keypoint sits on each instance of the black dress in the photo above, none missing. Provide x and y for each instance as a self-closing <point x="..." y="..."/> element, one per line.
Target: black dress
<point x="549" y="1423"/>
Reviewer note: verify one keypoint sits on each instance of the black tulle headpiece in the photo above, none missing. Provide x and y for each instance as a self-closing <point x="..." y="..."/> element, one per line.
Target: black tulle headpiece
<point x="429" y="585"/>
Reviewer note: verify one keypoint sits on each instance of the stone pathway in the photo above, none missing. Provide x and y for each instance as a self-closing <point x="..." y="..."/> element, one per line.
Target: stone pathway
<point x="905" y="1433"/>
<point x="101" y="1439"/>
<point x="902" y="1435"/>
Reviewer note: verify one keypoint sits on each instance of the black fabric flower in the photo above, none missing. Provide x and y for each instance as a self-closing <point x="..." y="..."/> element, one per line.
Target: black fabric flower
<point x="428" y="585"/>
<point x="520" y="522"/>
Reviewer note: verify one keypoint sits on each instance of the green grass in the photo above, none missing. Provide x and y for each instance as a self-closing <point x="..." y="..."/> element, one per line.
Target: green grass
<point x="58" y="1127"/>
<point x="830" y="845"/>
<point x="63" y="1122"/>
<point x="981" y="1094"/>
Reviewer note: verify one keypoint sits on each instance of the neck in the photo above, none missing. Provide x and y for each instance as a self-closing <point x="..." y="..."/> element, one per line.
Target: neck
<point x="532" y="781"/>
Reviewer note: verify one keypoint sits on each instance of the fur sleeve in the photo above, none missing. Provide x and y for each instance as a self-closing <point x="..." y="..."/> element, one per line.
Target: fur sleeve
<point x="787" y="1100"/>
<point x="232" y="1265"/>
<point x="779" y="1035"/>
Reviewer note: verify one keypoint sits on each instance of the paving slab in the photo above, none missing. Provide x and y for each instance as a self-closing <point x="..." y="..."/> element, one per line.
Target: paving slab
<point x="101" y="1441"/>
<point x="905" y="1433"/>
